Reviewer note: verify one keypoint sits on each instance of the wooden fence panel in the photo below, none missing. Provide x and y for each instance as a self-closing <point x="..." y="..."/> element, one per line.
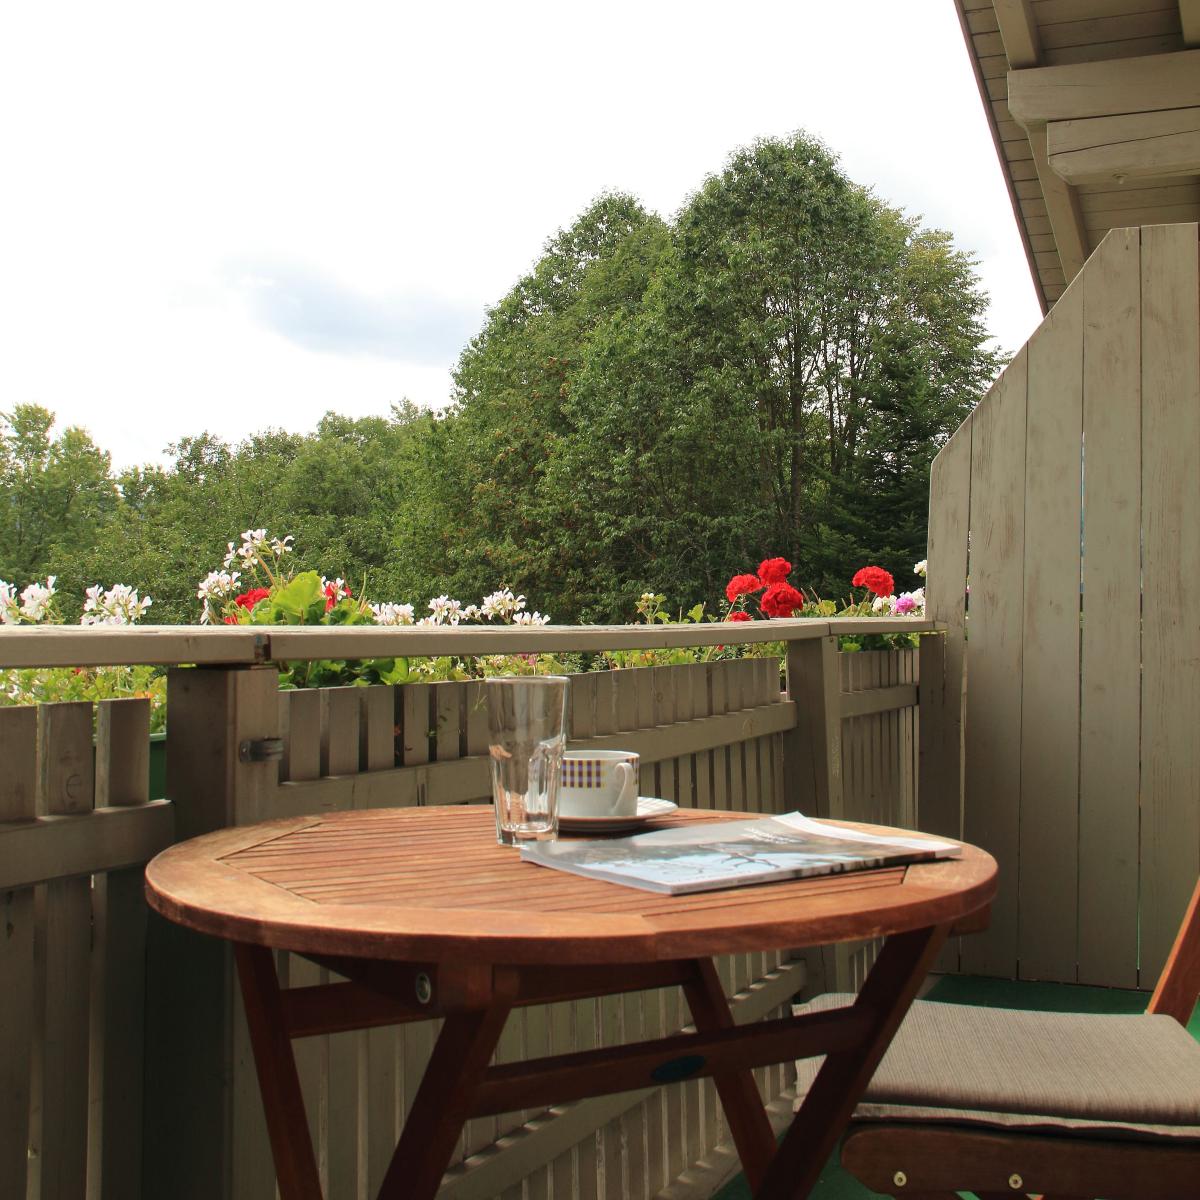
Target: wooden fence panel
<point x="119" y="962"/>
<point x="1170" y="780"/>
<point x="1077" y="701"/>
<point x="993" y="732"/>
<point x="945" y="600"/>
<point x="1111" y="644"/>
<point x="18" y="792"/>
<point x="1049" y="764"/>
<point x="61" y="1103"/>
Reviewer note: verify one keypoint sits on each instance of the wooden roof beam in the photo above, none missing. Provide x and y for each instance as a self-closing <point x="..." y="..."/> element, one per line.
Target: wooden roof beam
<point x="1062" y="208"/>
<point x="1133" y="146"/>
<point x="1019" y="32"/>
<point x="1105" y="89"/>
<point x="1189" y="17"/>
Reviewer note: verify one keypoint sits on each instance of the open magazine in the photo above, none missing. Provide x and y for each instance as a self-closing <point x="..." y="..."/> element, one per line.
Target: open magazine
<point x="724" y="854"/>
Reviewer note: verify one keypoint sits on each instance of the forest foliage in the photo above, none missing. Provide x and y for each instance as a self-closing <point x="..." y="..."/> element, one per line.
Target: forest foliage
<point x="655" y="402"/>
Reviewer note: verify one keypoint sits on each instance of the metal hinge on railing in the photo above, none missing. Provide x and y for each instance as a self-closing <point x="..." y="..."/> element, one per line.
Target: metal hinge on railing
<point x="260" y="750"/>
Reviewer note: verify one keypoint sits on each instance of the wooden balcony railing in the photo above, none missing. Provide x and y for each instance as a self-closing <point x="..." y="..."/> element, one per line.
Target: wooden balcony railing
<point x="124" y="1062"/>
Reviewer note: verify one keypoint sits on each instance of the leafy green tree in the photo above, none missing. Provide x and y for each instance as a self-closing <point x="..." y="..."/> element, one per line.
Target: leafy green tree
<point x="797" y="356"/>
<point x="54" y="492"/>
<point x="484" y="517"/>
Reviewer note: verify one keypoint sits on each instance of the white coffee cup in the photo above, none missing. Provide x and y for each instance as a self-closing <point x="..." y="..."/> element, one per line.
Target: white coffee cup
<point x="598" y="783"/>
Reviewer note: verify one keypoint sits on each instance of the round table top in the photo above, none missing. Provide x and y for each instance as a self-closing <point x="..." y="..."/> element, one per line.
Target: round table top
<point x="432" y="885"/>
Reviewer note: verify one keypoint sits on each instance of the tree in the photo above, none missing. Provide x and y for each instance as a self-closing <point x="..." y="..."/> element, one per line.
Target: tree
<point x="54" y="493"/>
<point x="484" y="518"/>
<point x="802" y="353"/>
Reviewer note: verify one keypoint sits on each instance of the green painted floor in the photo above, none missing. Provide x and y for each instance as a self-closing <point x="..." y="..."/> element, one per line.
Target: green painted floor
<point x="835" y="1184"/>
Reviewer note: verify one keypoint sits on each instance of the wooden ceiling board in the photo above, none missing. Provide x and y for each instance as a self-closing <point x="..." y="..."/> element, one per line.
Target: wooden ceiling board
<point x="1053" y="12"/>
<point x="1070" y="34"/>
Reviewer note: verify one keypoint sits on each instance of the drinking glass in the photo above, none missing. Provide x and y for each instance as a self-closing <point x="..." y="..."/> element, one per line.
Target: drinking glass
<point x="527" y="730"/>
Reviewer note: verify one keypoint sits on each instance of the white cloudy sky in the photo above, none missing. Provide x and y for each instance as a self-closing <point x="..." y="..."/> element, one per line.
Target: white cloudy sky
<point x="229" y="216"/>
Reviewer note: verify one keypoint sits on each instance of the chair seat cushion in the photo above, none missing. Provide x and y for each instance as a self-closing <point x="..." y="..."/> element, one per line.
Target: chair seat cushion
<point x="1096" y="1075"/>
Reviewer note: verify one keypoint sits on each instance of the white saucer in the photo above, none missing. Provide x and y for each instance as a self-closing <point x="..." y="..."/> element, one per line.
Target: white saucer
<point x="649" y="808"/>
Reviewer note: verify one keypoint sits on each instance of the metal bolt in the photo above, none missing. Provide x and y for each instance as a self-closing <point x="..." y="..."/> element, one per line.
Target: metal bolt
<point x="1015" y="1182"/>
<point x="424" y="988"/>
<point x="899" y="1179"/>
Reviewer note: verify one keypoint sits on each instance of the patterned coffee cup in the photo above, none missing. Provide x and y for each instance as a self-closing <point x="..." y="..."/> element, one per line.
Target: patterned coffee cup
<point x="598" y="783"/>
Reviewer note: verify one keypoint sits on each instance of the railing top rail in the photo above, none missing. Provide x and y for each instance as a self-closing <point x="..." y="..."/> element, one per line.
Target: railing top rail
<point x="75" y="646"/>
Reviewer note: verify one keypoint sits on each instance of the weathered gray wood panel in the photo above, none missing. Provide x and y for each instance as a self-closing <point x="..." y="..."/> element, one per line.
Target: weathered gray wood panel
<point x="1170" y="779"/>
<point x="1110" y="651"/>
<point x="993" y="730"/>
<point x="1049" y="830"/>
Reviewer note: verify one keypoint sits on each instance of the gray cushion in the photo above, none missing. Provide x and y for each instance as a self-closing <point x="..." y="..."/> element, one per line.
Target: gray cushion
<point x="1079" y="1073"/>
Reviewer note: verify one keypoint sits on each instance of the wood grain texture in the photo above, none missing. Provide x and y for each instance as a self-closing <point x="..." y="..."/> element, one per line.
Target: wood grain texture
<point x="372" y="883"/>
<point x="993" y="731"/>
<point x="939" y="1162"/>
<point x="940" y="792"/>
<point x="18" y="786"/>
<point x="1127" y="85"/>
<point x="67" y="782"/>
<point x="1110" y="650"/>
<point x="1049" y="765"/>
<point x="1170" y="779"/>
<point x="122" y="752"/>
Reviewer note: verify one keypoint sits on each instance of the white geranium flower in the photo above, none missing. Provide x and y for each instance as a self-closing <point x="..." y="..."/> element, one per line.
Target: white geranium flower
<point x="530" y="618"/>
<point x="10" y="608"/>
<point x="883" y="604"/>
<point x="445" y="610"/>
<point x="392" y="614"/>
<point x="35" y="599"/>
<point x="921" y="568"/>
<point x="501" y="604"/>
<point x="119" y="605"/>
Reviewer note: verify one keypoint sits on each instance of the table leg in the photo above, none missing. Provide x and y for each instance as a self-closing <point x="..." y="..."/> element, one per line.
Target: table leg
<point x="444" y="1100"/>
<point x="886" y="995"/>
<point x="287" y="1123"/>
<point x="749" y="1124"/>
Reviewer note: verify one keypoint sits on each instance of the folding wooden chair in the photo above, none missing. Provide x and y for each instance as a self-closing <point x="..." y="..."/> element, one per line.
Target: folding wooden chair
<point x="1062" y="1105"/>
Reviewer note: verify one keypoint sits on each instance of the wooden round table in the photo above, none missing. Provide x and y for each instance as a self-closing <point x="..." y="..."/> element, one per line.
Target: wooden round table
<point x="427" y="917"/>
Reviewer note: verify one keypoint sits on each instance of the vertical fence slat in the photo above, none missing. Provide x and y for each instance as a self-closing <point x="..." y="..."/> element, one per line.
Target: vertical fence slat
<point x="300" y="728"/>
<point x="1170" y="783"/>
<point x="993" y="735"/>
<point x="122" y="778"/>
<point x="18" y="792"/>
<point x="1110" y="657"/>
<point x="339" y="730"/>
<point x="376" y="729"/>
<point x="68" y="786"/>
<point x="940" y="788"/>
<point x="1049" y="814"/>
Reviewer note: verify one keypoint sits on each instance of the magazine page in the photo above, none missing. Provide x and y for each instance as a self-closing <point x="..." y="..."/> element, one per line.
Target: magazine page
<point x="707" y="856"/>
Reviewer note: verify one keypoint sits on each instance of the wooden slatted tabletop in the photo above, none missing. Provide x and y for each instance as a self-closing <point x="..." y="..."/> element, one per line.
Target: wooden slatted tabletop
<point x="431" y="884"/>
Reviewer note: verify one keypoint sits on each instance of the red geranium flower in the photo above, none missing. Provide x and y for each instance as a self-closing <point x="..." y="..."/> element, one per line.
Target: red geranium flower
<point x="739" y="616"/>
<point x="774" y="570"/>
<point x="335" y="590"/>
<point x="742" y="585"/>
<point x="874" y="579"/>
<point x="781" y="600"/>
<point x="248" y="600"/>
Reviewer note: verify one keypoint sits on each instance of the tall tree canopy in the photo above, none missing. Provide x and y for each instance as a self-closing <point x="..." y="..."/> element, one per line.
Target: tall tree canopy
<point x="773" y="375"/>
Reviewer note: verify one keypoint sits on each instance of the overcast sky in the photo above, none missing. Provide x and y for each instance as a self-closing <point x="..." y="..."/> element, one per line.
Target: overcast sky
<point x="233" y="216"/>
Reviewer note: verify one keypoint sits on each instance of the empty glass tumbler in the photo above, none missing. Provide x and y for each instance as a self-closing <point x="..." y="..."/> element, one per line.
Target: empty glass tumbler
<point x="527" y="730"/>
